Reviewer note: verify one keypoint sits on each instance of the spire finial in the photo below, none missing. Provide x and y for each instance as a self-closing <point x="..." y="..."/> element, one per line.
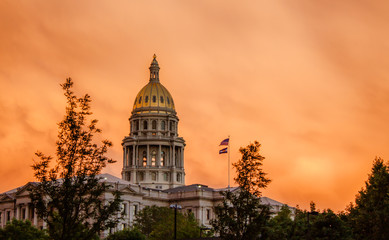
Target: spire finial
<point x="155" y="56"/>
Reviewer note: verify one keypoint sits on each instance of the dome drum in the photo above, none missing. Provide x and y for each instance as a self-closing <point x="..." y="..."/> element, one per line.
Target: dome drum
<point x="153" y="154"/>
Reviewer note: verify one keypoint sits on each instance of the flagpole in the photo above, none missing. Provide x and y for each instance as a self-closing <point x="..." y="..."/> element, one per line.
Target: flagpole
<point x="229" y="139"/>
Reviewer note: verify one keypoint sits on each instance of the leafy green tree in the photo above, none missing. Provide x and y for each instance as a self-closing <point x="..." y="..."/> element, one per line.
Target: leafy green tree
<point x="369" y="217"/>
<point x="241" y="214"/>
<point x="18" y="229"/>
<point x="327" y="226"/>
<point x="127" y="234"/>
<point x="281" y="226"/>
<point x="69" y="195"/>
<point x="158" y="223"/>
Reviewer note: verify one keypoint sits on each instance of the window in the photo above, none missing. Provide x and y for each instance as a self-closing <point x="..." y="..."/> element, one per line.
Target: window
<point x="166" y="176"/>
<point x="208" y="214"/>
<point x="163" y="125"/>
<point x="154" y="124"/>
<point x="135" y="209"/>
<point x="171" y="126"/>
<point x="161" y="99"/>
<point x="153" y="157"/>
<point x="146" y="99"/>
<point x="189" y="211"/>
<point x="140" y="99"/>
<point x="1" y="214"/>
<point x="141" y="176"/>
<point x="145" y="125"/>
<point x="8" y="216"/>
<point x="153" y="176"/>
<point x="178" y="177"/>
<point x="154" y="98"/>
<point x="162" y="158"/>
<point x="144" y="158"/>
<point x="136" y="125"/>
<point x="167" y="99"/>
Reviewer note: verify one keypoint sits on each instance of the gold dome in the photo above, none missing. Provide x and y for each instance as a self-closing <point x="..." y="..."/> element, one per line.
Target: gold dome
<point x="154" y="97"/>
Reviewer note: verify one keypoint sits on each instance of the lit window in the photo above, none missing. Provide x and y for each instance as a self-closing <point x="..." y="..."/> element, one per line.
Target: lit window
<point x="154" y="98"/>
<point x="144" y="158"/>
<point x="162" y="158"/>
<point x="146" y="99"/>
<point x="161" y="99"/>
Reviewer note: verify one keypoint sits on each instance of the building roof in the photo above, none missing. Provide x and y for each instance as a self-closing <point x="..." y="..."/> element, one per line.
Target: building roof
<point x="189" y="188"/>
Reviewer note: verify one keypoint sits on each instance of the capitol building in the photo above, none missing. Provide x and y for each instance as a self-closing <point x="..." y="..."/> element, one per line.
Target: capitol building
<point x="153" y="170"/>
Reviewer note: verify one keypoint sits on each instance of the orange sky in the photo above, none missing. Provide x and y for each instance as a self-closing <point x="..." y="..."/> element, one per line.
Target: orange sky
<point x="308" y="79"/>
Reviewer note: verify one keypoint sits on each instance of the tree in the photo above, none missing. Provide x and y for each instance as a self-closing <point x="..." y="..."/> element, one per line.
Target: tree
<point x="281" y="226"/>
<point x="241" y="214"/>
<point x="158" y="223"/>
<point x="18" y="229"/>
<point x="127" y="234"/>
<point x="329" y="226"/>
<point x="369" y="217"/>
<point x="69" y="197"/>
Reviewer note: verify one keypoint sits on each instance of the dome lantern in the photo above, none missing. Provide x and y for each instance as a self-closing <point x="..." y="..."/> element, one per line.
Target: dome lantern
<point x="154" y="70"/>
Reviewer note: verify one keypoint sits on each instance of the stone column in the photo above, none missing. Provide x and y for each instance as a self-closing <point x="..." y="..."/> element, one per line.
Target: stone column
<point x="182" y="157"/>
<point x="27" y="212"/>
<point x="148" y="155"/>
<point x="124" y="157"/>
<point x="174" y="156"/>
<point x="35" y="218"/>
<point x="159" y="155"/>
<point x="18" y="212"/>
<point x="133" y="155"/>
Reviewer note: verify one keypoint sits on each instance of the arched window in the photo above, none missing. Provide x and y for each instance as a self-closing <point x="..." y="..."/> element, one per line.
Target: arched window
<point x="146" y="99"/>
<point x="144" y="158"/>
<point x="140" y="99"/>
<point x="166" y="176"/>
<point x="162" y="158"/>
<point x="163" y="125"/>
<point x="154" y="124"/>
<point x="153" y="158"/>
<point x="153" y="176"/>
<point x="154" y="98"/>
<point x="141" y="176"/>
<point x="176" y="159"/>
<point x="178" y="177"/>
<point x="145" y="125"/>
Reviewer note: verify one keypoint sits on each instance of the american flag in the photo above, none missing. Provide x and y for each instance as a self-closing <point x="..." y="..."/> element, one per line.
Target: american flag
<point x="225" y="142"/>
